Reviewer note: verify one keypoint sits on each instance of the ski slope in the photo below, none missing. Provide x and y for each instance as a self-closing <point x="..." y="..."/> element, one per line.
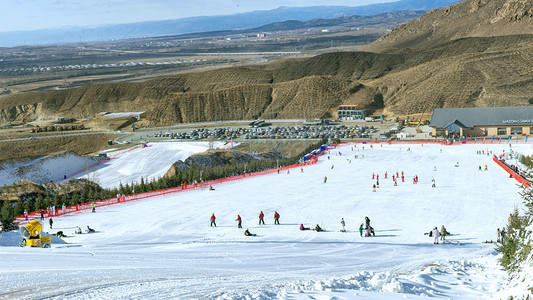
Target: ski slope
<point x="149" y="163"/>
<point x="164" y="247"/>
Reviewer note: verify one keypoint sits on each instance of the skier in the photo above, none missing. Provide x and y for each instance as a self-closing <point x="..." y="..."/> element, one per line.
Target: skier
<point x="343" y="225"/>
<point x="479" y="168"/>
<point x="213" y="218"/>
<point x="325" y="179"/>
<point x="94" y="206"/>
<point x="304" y="228"/>
<point x="42" y="214"/>
<point x="486" y="168"/>
<point x="361" y="230"/>
<point x="385" y="174"/>
<point x="433" y="183"/>
<point x="377" y="184"/>
<point x="239" y="225"/>
<point x="261" y="216"/>
<point x="51" y="222"/>
<point x="435" y="234"/>
<point x="89" y="229"/>
<point x="78" y="230"/>
<point x="332" y="166"/>
<point x="443" y="234"/>
<point x="374" y="188"/>
<point x="403" y="179"/>
<point x="367" y="221"/>
<point x="276" y="218"/>
<point x="395" y="183"/>
<point x="318" y="228"/>
<point x="248" y="233"/>
<point x="373" y="175"/>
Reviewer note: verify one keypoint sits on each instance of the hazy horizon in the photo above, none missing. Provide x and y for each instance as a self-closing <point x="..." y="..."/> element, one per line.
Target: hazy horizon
<point x="23" y="15"/>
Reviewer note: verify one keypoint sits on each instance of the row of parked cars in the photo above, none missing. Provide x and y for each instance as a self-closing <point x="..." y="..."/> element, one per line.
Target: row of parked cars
<point x="277" y="132"/>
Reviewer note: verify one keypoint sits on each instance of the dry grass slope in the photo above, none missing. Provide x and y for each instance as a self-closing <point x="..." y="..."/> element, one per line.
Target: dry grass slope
<point x="473" y="53"/>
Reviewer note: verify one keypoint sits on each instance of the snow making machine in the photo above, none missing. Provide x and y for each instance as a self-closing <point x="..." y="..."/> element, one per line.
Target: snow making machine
<point x="31" y="235"/>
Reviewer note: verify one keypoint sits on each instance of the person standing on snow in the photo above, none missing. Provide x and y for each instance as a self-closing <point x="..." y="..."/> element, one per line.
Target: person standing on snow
<point x="276" y="218"/>
<point x="325" y="179"/>
<point x="436" y="235"/>
<point x="361" y="230"/>
<point x="51" y="222"/>
<point x="94" y="206"/>
<point x="261" y="218"/>
<point x="213" y="218"/>
<point x="239" y="225"/>
<point x="343" y="224"/>
<point x="367" y="222"/>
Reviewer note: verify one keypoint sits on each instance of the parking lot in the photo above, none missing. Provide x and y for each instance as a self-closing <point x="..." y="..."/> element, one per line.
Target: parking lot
<point x="242" y="132"/>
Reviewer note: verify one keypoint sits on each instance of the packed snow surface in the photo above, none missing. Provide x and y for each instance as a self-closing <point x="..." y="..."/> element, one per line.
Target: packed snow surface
<point x="164" y="247"/>
<point x="46" y="168"/>
<point x="149" y="162"/>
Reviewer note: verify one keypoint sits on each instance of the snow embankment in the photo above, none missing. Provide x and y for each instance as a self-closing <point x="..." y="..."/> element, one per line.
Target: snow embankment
<point x="148" y="163"/>
<point x="45" y="169"/>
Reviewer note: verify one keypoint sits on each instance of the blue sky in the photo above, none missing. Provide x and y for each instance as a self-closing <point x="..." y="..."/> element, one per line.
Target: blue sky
<point x="41" y="14"/>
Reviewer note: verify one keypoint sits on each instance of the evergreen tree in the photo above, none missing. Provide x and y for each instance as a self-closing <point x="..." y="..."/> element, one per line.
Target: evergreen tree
<point x="19" y="208"/>
<point x="40" y="202"/>
<point x="7" y="215"/>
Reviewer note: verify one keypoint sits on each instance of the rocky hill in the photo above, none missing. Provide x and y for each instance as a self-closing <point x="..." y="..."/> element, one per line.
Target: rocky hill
<point x="441" y="68"/>
<point x="469" y="18"/>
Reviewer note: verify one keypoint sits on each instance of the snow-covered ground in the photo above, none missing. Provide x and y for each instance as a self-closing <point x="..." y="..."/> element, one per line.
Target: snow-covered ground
<point x="46" y="168"/>
<point x="164" y="247"/>
<point x="148" y="162"/>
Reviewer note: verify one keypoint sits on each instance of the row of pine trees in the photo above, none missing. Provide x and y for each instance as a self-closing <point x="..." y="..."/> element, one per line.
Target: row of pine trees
<point x="11" y="209"/>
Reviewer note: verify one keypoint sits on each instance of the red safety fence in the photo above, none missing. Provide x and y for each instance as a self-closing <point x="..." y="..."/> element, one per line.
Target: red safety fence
<point x="84" y="207"/>
<point x="514" y="174"/>
<point x="135" y="197"/>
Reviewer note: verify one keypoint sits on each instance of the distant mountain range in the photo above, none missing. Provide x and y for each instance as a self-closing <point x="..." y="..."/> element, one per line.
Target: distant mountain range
<point x="204" y="24"/>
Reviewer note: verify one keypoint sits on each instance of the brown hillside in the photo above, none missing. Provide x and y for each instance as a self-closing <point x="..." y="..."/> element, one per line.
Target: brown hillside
<point x="469" y="18"/>
<point x="473" y="53"/>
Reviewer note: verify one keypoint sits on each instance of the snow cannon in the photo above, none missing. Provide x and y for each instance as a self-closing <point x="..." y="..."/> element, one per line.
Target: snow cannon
<point x="31" y="235"/>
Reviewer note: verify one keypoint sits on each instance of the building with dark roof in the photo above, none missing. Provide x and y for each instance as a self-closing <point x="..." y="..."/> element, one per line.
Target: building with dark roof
<point x="350" y="112"/>
<point x="483" y="121"/>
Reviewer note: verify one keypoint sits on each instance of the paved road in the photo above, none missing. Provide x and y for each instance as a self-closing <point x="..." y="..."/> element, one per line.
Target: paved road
<point x="58" y="136"/>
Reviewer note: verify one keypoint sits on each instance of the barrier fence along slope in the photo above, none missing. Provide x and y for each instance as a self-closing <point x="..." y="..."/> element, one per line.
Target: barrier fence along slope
<point x="141" y="196"/>
<point x="83" y="207"/>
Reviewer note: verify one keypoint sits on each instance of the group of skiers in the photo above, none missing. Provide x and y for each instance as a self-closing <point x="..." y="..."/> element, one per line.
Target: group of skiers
<point x="239" y="219"/>
<point x="435" y="233"/>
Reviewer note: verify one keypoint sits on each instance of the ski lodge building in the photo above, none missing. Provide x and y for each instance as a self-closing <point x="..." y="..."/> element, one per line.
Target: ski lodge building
<point x="350" y="112"/>
<point x="482" y="121"/>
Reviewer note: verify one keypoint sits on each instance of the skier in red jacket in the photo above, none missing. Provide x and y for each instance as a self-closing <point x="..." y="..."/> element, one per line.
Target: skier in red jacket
<point x="213" y="220"/>
<point x="276" y="218"/>
<point x="261" y="216"/>
<point x="240" y="221"/>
